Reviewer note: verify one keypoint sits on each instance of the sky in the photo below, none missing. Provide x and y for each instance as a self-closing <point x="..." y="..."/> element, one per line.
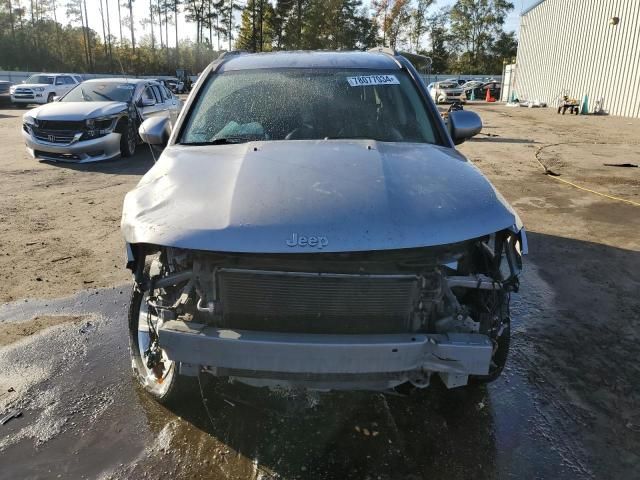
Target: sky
<point x="141" y="10"/>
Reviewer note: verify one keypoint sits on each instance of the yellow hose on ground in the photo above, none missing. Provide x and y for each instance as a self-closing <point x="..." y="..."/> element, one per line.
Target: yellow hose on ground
<point x="555" y="176"/>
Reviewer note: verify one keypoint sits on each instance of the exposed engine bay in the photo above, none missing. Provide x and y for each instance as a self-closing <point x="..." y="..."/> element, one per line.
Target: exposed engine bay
<point x="461" y="288"/>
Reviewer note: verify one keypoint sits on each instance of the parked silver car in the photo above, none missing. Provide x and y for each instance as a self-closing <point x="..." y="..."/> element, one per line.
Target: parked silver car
<point x="311" y="224"/>
<point x="446" y="92"/>
<point x="97" y="120"/>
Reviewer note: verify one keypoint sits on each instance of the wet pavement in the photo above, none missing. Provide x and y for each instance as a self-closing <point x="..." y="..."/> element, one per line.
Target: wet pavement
<point x="82" y="416"/>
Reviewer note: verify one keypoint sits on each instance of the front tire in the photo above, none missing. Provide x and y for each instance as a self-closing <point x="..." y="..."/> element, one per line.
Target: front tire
<point x="50" y="97"/>
<point x="501" y="336"/>
<point x="128" y="140"/>
<point x="163" y="383"/>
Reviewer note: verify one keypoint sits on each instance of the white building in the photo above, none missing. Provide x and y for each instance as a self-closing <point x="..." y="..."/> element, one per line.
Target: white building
<point x="581" y="47"/>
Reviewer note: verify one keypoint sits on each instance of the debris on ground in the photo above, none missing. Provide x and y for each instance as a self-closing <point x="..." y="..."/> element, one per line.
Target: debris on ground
<point x="9" y="390"/>
<point x="628" y="165"/>
<point x="9" y="416"/>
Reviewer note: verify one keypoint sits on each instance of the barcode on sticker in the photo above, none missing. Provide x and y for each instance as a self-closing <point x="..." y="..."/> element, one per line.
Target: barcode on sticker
<point x="373" y="80"/>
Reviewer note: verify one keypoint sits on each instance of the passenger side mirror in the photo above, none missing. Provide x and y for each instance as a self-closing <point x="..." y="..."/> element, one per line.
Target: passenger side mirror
<point x="155" y="131"/>
<point x="146" y="102"/>
<point x="463" y="125"/>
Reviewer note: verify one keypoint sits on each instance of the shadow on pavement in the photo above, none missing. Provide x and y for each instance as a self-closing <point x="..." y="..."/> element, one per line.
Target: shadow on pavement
<point x="346" y="435"/>
<point x="138" y="164"/>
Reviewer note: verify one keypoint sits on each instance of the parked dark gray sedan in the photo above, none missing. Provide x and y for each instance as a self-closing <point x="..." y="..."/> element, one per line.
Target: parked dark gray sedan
<point x="310" y="224"/>
<point x="97" y="120"/>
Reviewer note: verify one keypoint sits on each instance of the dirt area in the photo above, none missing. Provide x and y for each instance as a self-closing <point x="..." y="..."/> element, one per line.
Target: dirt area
<point x="568" y="405"/>
<point x="11" y="332"/>
<point x="60" y="222"/>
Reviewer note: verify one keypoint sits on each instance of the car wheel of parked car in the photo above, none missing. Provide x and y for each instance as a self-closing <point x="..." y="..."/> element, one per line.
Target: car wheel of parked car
<point x="128" y="140"/>
<point x="50" y="97"/>
<point x="155" y="373"/>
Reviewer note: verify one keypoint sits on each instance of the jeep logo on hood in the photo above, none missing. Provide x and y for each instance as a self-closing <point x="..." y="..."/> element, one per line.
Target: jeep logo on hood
<point x="314" y="241"/>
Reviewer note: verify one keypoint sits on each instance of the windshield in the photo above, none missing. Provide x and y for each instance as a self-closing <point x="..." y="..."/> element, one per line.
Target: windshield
<point x="40" y="79"/>
<point x="448" y="85"/>
<point x="100" y="92"/>
<point x="299" y="104"/>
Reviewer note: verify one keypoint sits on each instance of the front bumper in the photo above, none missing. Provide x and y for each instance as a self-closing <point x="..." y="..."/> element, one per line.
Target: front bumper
<point x="84" y="151"/>
<point x="328" y="362"/>
<point x="39" y="98"/>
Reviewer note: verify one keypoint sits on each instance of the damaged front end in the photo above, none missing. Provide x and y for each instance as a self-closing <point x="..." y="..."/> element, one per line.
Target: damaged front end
<point x="336" y="320"/>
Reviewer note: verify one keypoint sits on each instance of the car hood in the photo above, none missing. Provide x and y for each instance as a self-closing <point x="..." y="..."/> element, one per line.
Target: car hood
<point x="34" y="85"/>
<point x="76" y="110"/>
<point x="337" y="195"/>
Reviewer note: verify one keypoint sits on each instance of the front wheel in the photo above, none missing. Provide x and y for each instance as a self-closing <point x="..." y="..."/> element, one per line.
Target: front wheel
<point x="498" y="327"/>
<point x="128" y="140"/>
<point x="152" y="369"/>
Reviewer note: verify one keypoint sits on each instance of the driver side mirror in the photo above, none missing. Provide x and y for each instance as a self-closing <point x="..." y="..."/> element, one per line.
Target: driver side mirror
<point x="463" y="125"/>
<point x="155" y="131"/>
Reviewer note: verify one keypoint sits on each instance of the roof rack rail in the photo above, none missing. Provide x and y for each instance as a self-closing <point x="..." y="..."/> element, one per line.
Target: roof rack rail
<point x="232" y="52"/>
<point x="387" y="50"/>
<point x="416" y="57"/>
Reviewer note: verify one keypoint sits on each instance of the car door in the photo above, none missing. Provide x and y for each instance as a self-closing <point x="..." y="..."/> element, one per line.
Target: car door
<point x="69" y="83"/>
<point x="172" y="104"/>
<point x="150" y="102"/>
<point x="60" y="87"/>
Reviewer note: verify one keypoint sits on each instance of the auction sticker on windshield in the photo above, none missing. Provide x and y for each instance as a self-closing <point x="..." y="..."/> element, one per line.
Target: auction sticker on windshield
<point x="373" y="80"/>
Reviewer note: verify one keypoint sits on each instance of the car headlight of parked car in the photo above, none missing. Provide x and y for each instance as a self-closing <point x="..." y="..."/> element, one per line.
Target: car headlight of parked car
<point x="12" y="90"/>
<point x="101" y="126"/>
<point x="38" y="89"/>
<point x="28" y="123"/>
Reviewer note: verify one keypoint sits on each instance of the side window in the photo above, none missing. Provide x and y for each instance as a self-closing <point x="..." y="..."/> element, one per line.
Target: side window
<point x="167" y="93"/>
<point x="59" y="80"/>
<point x="69" y="81"/>
<point x="148" y="94"/>
<point x="156" y="90"/>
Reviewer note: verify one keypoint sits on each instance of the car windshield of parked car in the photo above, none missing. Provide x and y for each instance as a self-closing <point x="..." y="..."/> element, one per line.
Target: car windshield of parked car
<point x="309" y="104"/>
<point x="448" y="85"/>
<point x="39" y="79"/>
<point x="100" y="92"/>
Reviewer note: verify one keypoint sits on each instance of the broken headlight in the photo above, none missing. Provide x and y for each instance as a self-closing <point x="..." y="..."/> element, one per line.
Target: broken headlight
<point x="97" y="127"/>
<point x="510" y="259"/>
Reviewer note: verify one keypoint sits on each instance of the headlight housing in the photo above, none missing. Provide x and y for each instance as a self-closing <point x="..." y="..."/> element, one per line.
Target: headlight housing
<point x="100" y="126"/>
<point x="29" y="120"/>
<point x="38" y="89"/>
<point x="12" y="89"/>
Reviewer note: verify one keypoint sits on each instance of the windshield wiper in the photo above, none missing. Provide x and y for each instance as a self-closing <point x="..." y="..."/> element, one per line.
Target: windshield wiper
<point x="103" y="95"/>
<point x="221" y="141"/>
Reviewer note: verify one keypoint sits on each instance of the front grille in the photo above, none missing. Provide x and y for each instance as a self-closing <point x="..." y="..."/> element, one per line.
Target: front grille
<point x="53" y="136"/>
<point x="317" y="303"/>
<point x="61" y="125"/>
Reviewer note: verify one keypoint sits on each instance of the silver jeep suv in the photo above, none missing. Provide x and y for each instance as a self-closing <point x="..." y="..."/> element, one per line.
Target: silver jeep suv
<point x="311" y="224"/>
